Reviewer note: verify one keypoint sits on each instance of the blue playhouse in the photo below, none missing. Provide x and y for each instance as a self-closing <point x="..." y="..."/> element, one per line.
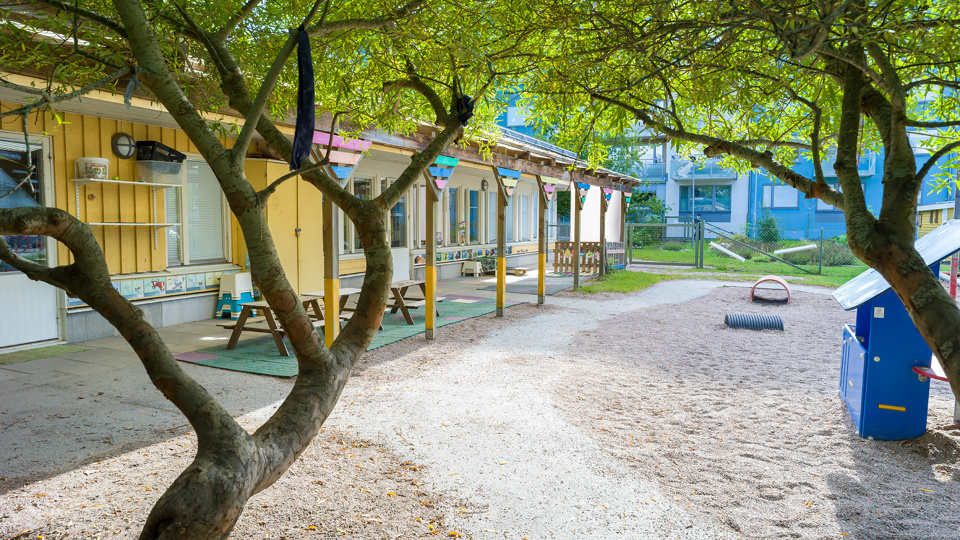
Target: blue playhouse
<point x="885" y="364"/>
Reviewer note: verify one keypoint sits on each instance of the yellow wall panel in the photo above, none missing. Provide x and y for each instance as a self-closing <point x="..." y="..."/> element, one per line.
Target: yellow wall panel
<point x="110" y="195"/>
<point x="282" y="220"/>
<point x="143" y="212"/>
<point x="310" y="219"/>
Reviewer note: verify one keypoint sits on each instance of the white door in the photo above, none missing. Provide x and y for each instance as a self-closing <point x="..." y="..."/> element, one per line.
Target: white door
<point x="30" y="313"/>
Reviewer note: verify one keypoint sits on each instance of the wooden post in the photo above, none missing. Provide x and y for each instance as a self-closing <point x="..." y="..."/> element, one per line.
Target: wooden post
<point x="542" y="248"/>
<point x="331" y="271"/>
<point x="578" y="206"/>
<point x="430" y="268"/>
<point x="603" y="233"/>
<point x="501" y="243"/>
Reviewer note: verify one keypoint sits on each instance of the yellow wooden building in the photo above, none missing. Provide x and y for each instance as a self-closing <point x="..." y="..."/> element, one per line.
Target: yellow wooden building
<point x="931" y="216"/>
<point x="167" y="233"/>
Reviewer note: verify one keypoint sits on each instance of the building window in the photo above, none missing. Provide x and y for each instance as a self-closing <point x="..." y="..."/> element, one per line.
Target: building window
<point x="508" y="219"/>
<point x="363" y="189"/>
<point x="473" y="216"/>
<point x="492" y="216"/>
<point x="706" y="198"/>
<point x="397" y="224"/>
<point x="13" y="194"/>
<point x="200" y="236"/>
<point x="453" y="216"/>
<point x="524" y="217"/>
<point x="780" y="196"/>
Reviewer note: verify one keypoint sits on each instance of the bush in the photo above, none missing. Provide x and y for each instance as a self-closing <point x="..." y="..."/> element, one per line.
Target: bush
<point x="768" y="228"/>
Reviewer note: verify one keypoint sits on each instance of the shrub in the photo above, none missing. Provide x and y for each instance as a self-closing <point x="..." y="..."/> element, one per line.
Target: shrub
<point x="768" y="228"/>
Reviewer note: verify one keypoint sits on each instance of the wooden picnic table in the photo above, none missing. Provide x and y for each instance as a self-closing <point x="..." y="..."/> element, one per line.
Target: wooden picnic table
<point x="267" y="324"/>
<point x="404" y="304"/>
<point x="344" y="297"/>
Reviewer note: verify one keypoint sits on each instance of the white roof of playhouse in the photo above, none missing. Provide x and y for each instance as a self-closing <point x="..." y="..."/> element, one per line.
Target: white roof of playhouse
<point x="935" y="246"/>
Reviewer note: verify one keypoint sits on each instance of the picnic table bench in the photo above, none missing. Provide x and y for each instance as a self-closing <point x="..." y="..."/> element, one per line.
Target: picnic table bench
<point x="267" y="323"/>
<point x="403" y="303"/>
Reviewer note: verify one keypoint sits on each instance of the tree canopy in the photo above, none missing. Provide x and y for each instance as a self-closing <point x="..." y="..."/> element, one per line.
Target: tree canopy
<point x="764" y="84"/>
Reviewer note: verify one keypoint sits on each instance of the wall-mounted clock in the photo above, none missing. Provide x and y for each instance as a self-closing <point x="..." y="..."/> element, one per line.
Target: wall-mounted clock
<point x="123" y="145"/>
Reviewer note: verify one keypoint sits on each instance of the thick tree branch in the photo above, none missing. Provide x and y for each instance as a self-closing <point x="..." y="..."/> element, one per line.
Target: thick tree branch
<point x="848" y="139"/>
<point x="898" y="96"/>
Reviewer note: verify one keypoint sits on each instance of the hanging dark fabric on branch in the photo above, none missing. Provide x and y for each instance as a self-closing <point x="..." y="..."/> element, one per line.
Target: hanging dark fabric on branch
<point x="306" y="117"/>
<point x="464" y="109"/>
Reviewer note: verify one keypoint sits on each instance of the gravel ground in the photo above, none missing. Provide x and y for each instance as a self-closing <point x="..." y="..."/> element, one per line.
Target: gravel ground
<point x="634" y="416"/>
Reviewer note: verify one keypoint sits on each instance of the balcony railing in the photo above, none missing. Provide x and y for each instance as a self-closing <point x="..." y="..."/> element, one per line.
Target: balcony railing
<point x="708" y="169"/>
<point x="652" y="171"/>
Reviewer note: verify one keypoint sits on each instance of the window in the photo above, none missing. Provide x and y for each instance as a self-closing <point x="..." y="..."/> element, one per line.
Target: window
<point x="363" y="189"/>
<point x="706" y="198"/>
<point x="473" y="217"/>
<point x="524" y="215"/>
<point x="492" y="216"/>
<point x="397" y="225"/>
<point x="13" y="194"/>
<point x="780" y="196"/>
<point x="453" y="238"/>
<point x="200" y="236"/>
<point x="508" y="219"/>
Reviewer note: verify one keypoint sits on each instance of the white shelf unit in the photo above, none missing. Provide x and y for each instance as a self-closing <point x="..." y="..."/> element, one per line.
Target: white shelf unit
<point x="148" y="170"/>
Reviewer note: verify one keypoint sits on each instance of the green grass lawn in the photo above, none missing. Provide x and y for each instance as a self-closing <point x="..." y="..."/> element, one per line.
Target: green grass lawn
<point x="832" y="276"/>
<point x="628" y="281"/>
<point x="718" y="267"/>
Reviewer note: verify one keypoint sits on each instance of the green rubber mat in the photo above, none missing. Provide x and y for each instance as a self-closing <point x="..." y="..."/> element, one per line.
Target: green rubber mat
<point x="41" y="352"/>
<point x="260" y="355"/>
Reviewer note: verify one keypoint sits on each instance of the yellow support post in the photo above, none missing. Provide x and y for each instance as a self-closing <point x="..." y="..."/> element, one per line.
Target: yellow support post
<point x="331" y="272"/>
<point x="430" y="268"/>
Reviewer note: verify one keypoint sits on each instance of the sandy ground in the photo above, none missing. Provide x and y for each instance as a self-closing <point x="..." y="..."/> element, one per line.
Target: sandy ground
<point x="639" y="416"/>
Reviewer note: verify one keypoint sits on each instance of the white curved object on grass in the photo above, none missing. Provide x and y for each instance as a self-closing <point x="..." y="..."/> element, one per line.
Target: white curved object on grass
<point x="726" y="251"/>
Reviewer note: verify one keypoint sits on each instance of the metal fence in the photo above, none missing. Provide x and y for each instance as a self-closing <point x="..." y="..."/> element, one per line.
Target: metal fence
<point x="810" y="249"/>
<point x="673" y="243"/>
<point x="676" y="243"/>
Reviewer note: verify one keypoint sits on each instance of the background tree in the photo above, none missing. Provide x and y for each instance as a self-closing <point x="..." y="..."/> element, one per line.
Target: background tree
<point x="763" y="84"/>
<point x="377" y="63"/>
